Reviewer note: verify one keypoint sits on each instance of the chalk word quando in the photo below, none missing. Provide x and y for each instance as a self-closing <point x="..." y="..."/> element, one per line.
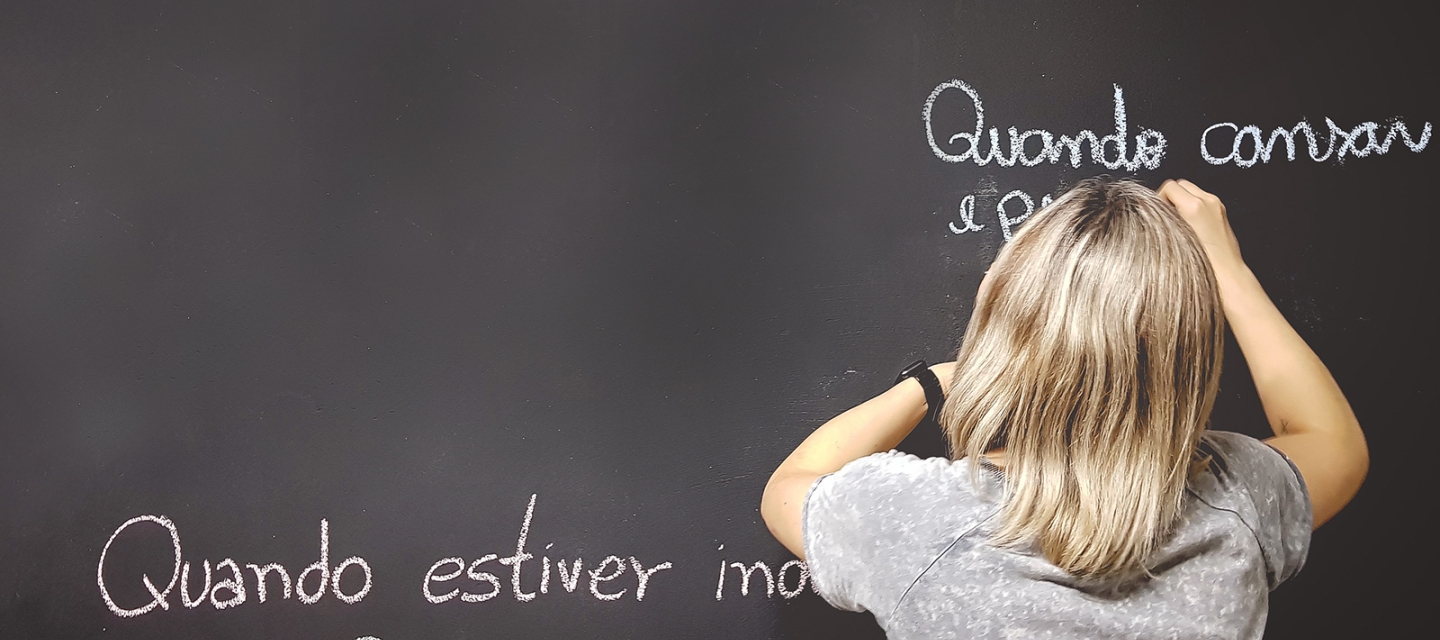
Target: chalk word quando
<point x="1357" y="142"/>
<point x="1111" y="151"/>
<point x="232" y="591"/>
<point x="484" y="585"/>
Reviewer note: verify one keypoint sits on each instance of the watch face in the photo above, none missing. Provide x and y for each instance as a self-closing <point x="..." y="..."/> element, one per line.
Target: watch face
<point x="911" y="370"/>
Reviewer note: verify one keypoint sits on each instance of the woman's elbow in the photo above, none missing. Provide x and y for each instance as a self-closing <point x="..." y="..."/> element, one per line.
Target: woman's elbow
<point x="780" y="508"/>
<point x="771" y="500"/>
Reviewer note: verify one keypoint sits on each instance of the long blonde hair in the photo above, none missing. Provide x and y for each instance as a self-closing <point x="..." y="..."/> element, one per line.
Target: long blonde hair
<point x="1093" y="357"/>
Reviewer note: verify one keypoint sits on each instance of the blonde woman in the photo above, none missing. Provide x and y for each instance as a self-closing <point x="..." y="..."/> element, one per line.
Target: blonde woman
<point x="1087" y="498"/>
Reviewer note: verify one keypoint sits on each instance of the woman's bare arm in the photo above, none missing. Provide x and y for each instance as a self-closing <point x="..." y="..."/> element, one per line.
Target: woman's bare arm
<point x="877" y="425"/>
<point x="1312" y="421"/>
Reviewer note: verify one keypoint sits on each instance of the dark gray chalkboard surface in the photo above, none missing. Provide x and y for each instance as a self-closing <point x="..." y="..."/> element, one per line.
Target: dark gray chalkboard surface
<point x="560" y="282"/>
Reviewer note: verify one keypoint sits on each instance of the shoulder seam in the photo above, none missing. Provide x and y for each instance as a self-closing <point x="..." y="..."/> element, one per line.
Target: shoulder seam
<point x="1264" y="557"/>
<point x="937" y="558"/>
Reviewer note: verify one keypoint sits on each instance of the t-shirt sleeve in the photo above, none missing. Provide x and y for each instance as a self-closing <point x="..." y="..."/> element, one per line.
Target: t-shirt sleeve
<point x="865" y="530"/>
<point x="1275" y="496"/>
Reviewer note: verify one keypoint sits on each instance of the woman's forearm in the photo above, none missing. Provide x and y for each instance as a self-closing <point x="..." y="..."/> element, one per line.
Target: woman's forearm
<point x="1313" y="422"/>
<point x="876" y="425"/>
<point x="1296" y="389"/>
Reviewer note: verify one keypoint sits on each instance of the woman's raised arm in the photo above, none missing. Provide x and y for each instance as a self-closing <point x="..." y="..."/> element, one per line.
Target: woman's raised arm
<point x="1312" y="421"/>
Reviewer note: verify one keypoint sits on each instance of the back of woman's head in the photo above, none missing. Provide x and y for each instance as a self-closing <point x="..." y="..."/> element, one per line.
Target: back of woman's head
<point x="1093" y="357"/>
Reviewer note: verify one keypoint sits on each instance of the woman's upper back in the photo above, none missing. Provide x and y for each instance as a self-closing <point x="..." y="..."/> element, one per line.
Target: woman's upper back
<point x="907" y="540"/>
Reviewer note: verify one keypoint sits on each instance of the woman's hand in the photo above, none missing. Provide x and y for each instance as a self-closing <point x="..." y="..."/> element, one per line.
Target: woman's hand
<point x="1206" y="215"/>
<point x="945" y="371"/>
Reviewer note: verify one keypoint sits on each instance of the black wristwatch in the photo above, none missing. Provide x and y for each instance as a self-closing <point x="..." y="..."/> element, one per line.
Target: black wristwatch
<point x="934" y="395"/>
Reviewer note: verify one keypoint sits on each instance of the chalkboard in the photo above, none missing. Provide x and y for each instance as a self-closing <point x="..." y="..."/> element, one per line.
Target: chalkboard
<point x="490" y="320"/>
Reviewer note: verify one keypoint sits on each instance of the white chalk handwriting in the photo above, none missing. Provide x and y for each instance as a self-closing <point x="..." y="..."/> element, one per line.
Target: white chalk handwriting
<point x="231" y="591"/>
<point x="1356" y="142"/>
<point x="775" y="581"/>
<point x="1109" y="151"/>
<point x="1008" y="221"/>
<point x="603" y="578"/>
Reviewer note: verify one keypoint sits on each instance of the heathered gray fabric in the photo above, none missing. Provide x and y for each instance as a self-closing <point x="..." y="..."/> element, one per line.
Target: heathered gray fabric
<point x="907" y="540"/>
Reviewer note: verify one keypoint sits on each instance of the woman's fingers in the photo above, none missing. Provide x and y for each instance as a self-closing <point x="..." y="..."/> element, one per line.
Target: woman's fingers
<point x="1191" y="201"/>
<point x="1194" y="189"/>
<point x="1203" y="195"/>
<point x="1206" y="215"/>
<point x="1177" y="195"/>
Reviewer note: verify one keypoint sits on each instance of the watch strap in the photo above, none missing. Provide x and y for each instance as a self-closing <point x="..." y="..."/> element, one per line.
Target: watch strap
<point x="934" y="395"/>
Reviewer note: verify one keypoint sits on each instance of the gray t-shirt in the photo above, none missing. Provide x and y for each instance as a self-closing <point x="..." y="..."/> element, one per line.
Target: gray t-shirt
<point x="907" y="540"/>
